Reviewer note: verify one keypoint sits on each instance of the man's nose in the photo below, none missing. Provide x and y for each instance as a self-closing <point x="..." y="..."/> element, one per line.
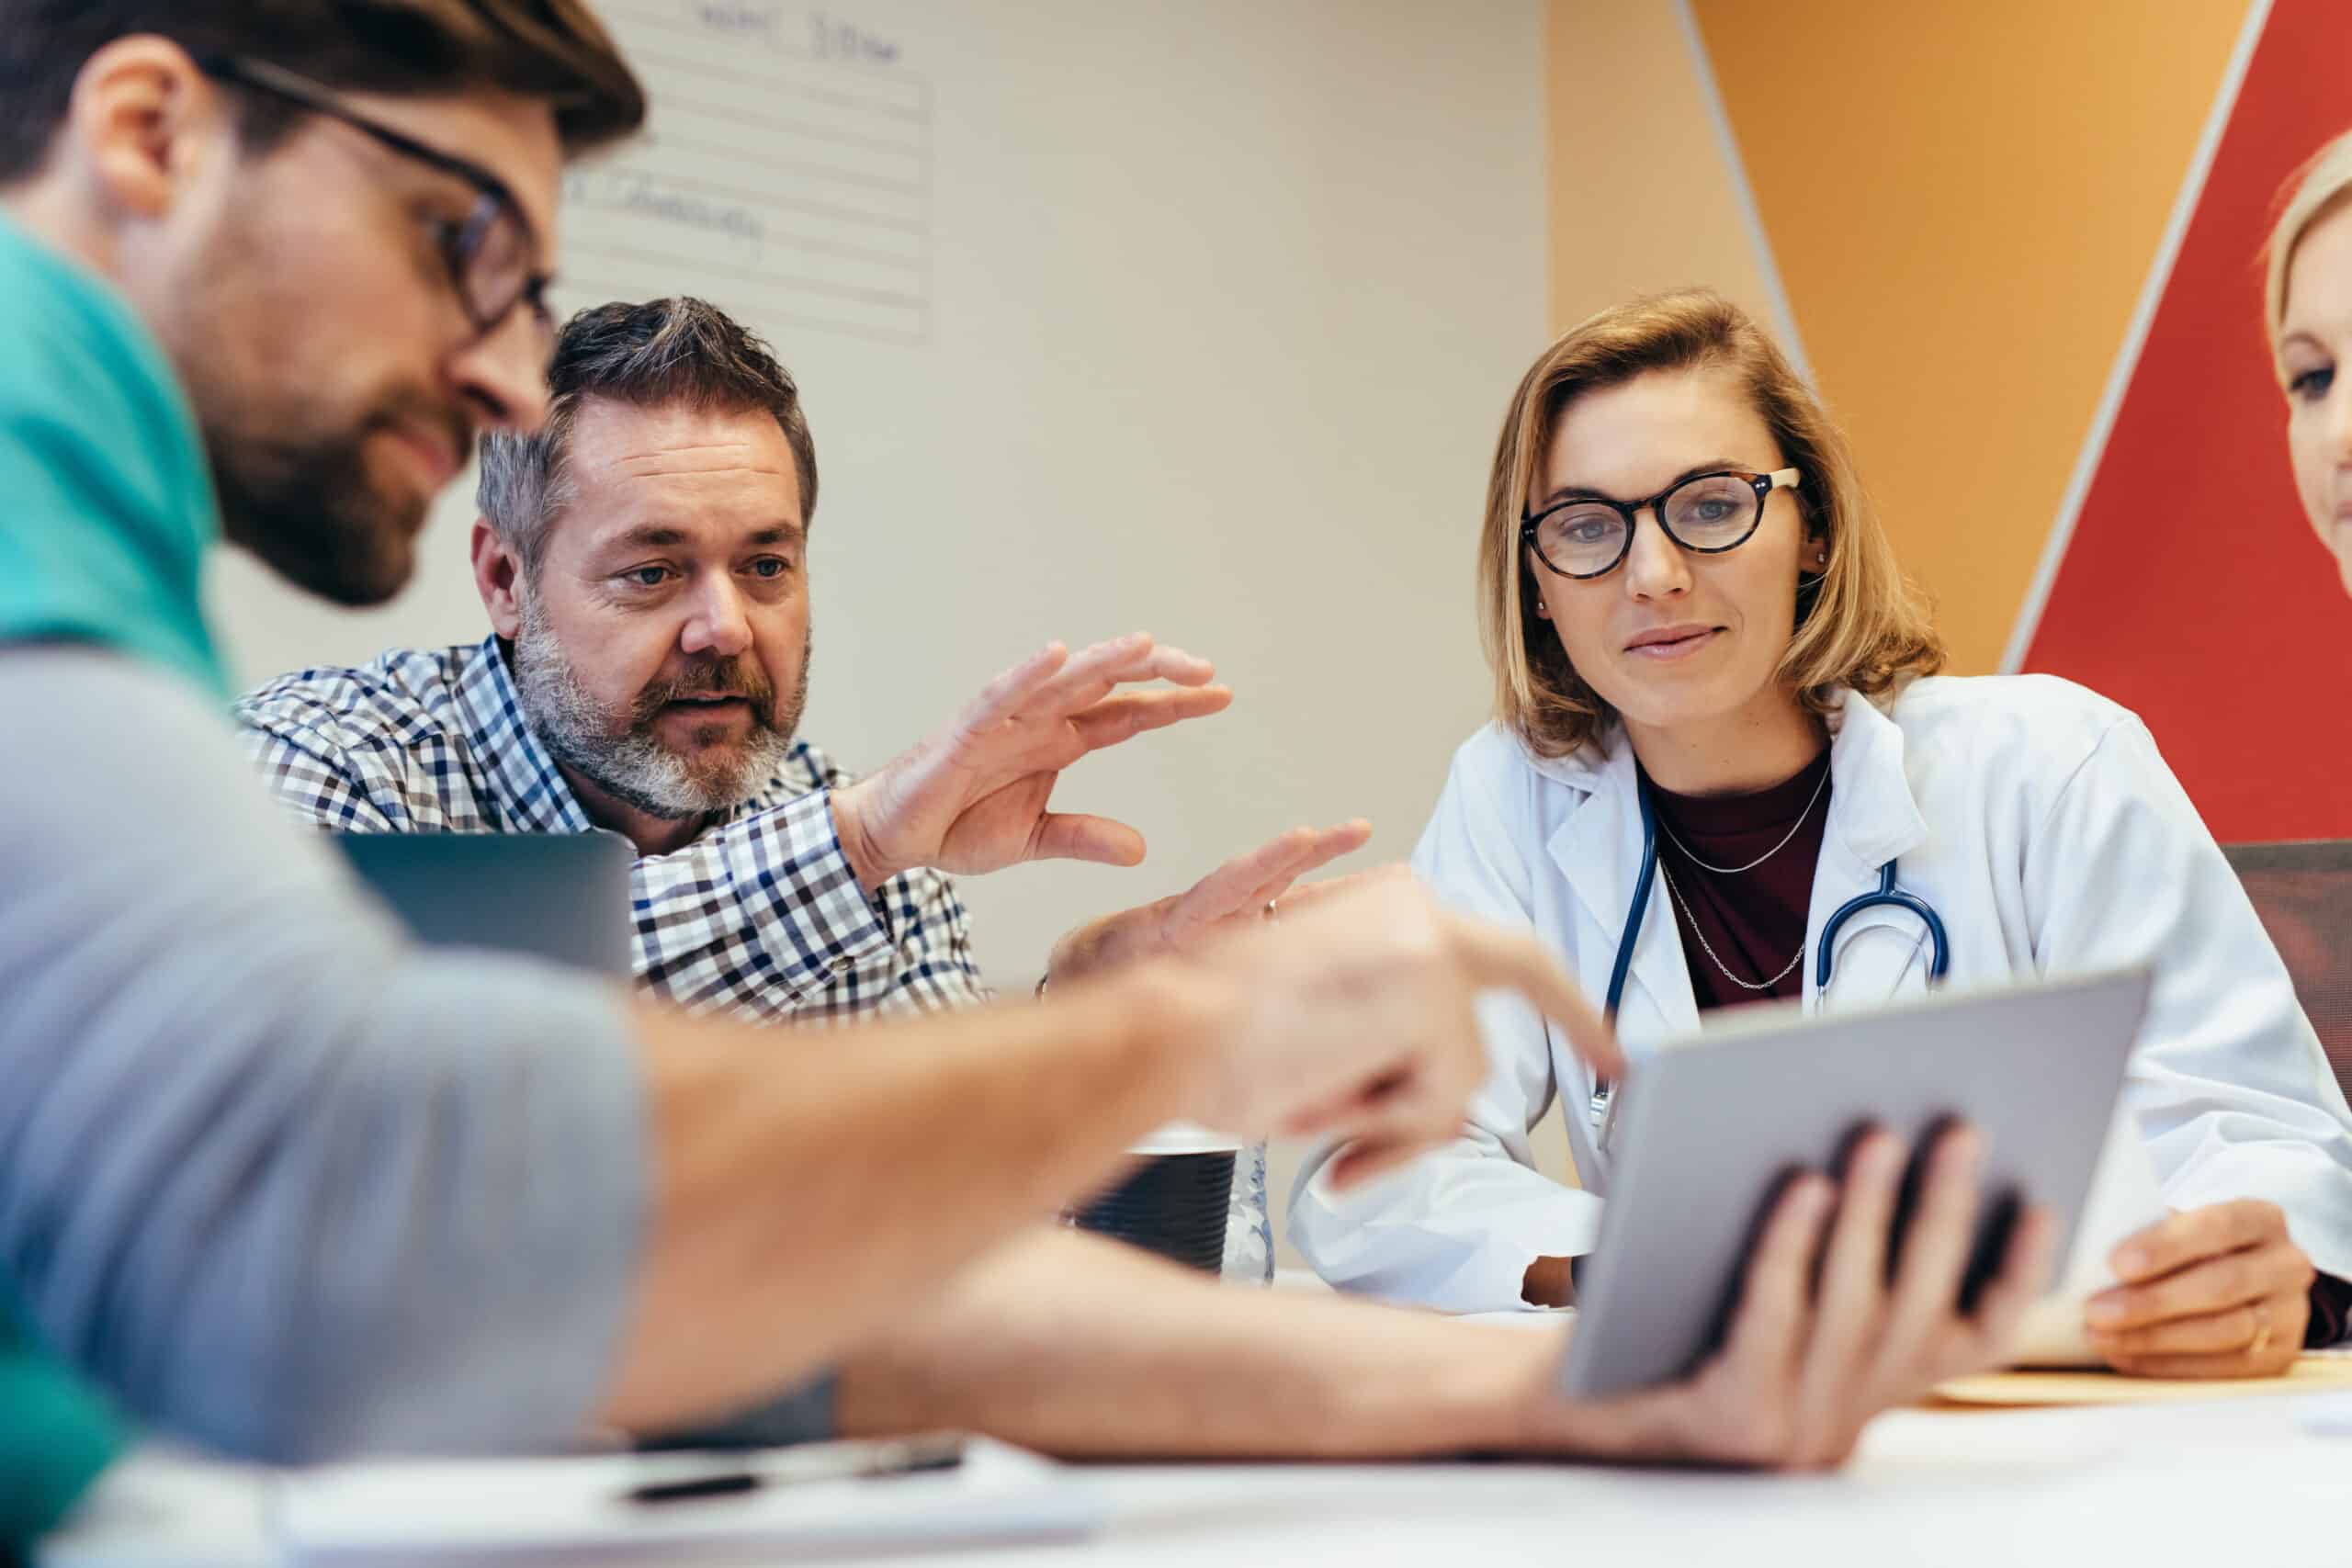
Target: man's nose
<point x="503" y="374"/>
<point x="716" y="625"/>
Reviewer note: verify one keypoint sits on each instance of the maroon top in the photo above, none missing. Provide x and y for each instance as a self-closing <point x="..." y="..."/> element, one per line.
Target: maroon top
<point x="1755" y="920"/>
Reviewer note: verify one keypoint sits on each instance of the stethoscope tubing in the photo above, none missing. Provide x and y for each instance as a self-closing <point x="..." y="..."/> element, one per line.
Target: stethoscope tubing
<point x="1886" y="894"/>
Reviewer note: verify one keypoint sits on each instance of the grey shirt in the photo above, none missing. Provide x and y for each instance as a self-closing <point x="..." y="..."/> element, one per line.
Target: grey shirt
<point x="279" y="1179"/>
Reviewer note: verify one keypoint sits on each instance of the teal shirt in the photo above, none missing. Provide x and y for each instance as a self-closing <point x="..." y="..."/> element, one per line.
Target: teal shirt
<point x="55" y="1436"/>
<point x="105" y="501"/>
<point x="106" y="511"/>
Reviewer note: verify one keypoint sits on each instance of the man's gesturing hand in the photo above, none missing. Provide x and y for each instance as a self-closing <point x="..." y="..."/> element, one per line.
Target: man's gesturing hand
<point x="1237" y="891"/>
<point x="972" y="798"/>
<point x="1353" y="1018"/>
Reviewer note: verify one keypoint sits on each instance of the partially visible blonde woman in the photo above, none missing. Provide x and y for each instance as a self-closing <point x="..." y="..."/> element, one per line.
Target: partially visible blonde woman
<point x="1692" y="613"/>
<point x="2307" y="308"/>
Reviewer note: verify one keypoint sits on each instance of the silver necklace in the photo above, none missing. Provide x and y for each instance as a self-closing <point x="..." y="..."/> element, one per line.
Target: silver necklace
<point x="1768" y="854"/>
<point x="1709" y="952"/>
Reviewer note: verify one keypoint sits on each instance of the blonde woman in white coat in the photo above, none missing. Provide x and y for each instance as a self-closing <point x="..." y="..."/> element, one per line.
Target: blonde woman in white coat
<point x="1763" y="672"/>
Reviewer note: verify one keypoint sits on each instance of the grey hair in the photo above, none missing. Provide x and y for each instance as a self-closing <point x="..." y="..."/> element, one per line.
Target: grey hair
<point x="660" y="353"/>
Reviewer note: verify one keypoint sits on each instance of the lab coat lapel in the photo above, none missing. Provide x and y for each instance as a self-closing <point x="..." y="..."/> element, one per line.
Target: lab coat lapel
<point x="1597" y="849"/>
<point x="1881" y="952"/>
<point x="1599" y="852"/>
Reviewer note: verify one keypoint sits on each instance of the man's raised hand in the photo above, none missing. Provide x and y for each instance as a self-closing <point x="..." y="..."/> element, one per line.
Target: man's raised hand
<point x="973" y="797"/>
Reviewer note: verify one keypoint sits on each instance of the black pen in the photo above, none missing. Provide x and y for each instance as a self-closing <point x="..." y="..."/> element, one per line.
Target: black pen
<point x="816" y="1463"/>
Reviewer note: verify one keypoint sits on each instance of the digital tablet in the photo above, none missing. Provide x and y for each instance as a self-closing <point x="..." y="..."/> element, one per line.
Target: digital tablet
<point x="1710" y="1129"/>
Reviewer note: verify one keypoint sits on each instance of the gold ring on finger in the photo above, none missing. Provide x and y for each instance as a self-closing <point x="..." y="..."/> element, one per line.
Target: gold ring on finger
<point x="2261" y="1333"/>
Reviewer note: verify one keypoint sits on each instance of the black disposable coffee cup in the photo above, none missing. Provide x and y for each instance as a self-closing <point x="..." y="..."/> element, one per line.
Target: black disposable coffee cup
<point x="1176" y="1201"/>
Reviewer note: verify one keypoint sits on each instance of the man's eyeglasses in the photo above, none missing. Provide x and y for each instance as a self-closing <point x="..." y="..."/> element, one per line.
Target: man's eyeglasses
<point x="492" y="255"/>
<point x="1709" y="513"/>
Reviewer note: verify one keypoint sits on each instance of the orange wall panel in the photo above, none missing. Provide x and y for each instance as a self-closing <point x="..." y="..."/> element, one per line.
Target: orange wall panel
<point x="1964" y="201"/>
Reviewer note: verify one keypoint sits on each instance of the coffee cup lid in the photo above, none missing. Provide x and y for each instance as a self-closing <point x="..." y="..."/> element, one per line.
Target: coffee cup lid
<point x="1183" y="1138"/>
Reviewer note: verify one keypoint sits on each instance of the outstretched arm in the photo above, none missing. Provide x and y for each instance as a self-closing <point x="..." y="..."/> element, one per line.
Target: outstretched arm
<point x="876" y="1171"/>
<point x="1083" y="1347"/>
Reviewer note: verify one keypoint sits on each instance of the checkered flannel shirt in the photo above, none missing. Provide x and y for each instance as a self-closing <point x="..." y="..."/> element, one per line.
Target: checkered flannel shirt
<point x="760" y="917"/>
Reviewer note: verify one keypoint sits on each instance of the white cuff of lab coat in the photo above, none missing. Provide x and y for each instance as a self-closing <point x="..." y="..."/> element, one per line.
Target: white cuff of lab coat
<point x="1473" y="1258"/>
<point x="2312" y="1188"/>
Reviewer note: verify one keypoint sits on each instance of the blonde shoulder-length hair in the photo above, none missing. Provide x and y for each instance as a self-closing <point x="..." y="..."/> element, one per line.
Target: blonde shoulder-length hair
<point x="1859" y="624"/>
<point x="2310" y="194"/>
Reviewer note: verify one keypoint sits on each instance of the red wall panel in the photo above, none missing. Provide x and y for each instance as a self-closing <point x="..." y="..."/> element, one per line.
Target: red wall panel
<point x="2193" y="590"/>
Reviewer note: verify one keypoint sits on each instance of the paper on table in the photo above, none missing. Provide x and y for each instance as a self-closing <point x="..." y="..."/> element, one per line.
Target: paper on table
<point x="506" y="1511"/>
<point x="2123" y="1199"/>
<point x="2313" y="1373"/>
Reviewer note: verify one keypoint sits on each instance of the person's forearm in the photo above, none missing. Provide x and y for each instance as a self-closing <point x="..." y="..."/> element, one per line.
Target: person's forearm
<point x="797" y="1195"/>
<point x="1083" y="1347"/>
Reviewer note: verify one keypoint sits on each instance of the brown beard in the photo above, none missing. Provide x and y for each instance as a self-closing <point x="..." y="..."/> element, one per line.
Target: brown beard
<point x="304" y="503"/>
<point x="288" y="459"/>
<point x="737" y="677"/>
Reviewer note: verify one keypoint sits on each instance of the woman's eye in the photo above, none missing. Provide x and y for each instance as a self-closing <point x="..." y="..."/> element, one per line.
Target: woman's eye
<point x="2312" y="385"/>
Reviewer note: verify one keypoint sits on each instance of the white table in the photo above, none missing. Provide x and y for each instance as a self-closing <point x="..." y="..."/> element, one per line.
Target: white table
<point x="2221" y="1485"/>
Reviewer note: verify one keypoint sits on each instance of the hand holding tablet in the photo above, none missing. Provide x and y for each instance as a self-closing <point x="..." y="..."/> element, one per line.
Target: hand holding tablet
<point x="1844" y="1310"/>
<point x="1717" y="1174"/>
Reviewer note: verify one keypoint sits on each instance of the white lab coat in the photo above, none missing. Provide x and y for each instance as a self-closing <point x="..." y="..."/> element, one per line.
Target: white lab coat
<point x="2038" y="820"/>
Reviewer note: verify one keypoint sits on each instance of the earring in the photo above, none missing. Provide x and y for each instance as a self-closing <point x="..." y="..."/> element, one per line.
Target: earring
<point x="1543" y="611"/>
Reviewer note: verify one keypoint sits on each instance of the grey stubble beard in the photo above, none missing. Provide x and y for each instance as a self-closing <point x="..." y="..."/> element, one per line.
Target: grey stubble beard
<point x="632" y="766"/>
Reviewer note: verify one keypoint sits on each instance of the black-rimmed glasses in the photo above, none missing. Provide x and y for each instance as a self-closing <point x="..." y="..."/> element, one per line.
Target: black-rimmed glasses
<point x="492" y="255"/>
<point x="1711" y="513"/>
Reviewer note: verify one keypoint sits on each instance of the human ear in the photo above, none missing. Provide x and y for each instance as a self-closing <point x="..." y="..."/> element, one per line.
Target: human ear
<point x="1812" y="565"/>
<point x="142" y="124"/>
<point x="498" y="576"/>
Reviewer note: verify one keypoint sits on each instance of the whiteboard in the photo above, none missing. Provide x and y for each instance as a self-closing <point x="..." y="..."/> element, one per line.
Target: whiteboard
<point x="1196" y="318"/>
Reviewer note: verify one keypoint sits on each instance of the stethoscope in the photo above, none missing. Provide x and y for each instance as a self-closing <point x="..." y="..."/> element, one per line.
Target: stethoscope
<point x="1886" y="895"/>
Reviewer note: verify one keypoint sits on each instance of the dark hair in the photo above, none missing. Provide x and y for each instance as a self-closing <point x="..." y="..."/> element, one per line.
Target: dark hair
<point x="663" y="351"/>
<point x="554" y="50"/>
